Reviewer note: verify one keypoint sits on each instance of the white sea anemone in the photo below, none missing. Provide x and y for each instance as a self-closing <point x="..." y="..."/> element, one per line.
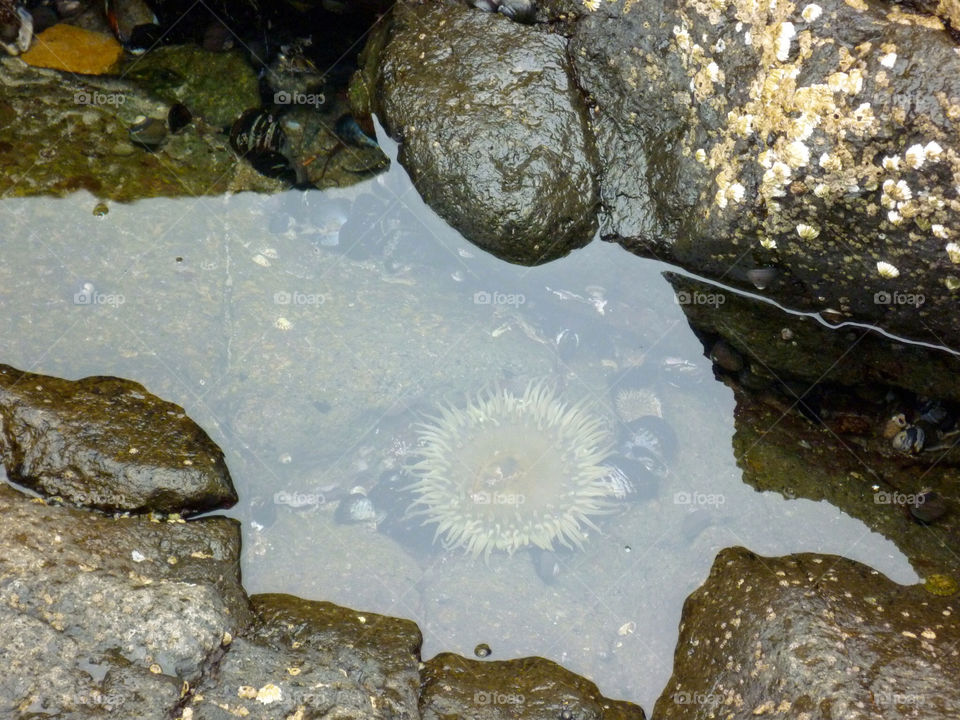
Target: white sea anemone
<point x="510" y="471"/>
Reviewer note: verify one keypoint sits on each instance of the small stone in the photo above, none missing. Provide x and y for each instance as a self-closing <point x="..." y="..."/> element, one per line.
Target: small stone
<point x="75" y="50"/>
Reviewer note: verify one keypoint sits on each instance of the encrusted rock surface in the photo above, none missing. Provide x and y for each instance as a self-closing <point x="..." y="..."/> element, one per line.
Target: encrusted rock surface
<point x="494" y="131"/>
<point x="528" y="688"/>
<point x="817" y="138"/>
<point x="307" y="659"/>
<point x="107" y="443"/>
<point x="810" y="636"/>
<point x="110" y="616"/>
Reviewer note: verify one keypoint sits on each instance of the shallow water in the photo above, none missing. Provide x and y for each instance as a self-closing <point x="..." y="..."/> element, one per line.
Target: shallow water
<point x="307" y="354"/>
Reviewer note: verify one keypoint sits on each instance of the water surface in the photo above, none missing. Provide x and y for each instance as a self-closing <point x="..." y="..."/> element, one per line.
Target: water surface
<point x="307" y="352"/>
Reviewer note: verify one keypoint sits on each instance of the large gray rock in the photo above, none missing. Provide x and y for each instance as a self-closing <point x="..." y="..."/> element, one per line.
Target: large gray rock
<point x="494" y="133"/>
<point x="528" y="688"/>
<point x="107" y="443"/>
<point x="811" y="636"/>
<point x="315" y="659"/>
<point x="104" y="616"/>
<point x="820" y="138"/>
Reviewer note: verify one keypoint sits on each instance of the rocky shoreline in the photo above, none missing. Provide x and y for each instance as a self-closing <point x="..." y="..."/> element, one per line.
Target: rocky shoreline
<point x="140" y="613"/>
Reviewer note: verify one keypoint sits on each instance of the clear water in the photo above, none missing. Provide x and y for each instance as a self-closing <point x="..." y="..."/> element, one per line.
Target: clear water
<point x="306" y="355"/>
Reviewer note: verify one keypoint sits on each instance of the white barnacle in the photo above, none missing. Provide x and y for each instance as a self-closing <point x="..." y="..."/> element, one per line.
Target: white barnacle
<point x="898" y="191"/>
<point x="784" y="38"/>
<point x="807" y="232"/>
<point x="888" y="60"/>
<point x="939" y="231"/>
<point x="851" y="83"/>
<point x="894" y="217"/>
<point x="713" y="71"/>
<point x="821" y="190"/>
<point x="811" y="12"/>
<point x="768" y="243"/>
<point x="591" y="5"/>
<point x="886" y="270"/>
<point x="891" y="162"/>
<point x="767" y="158"/>
<point x="932" y="150"/>
<point x="700" y="155"/>
<point x="720" y="199"/>
<point x="797" y="154"/>
<point x="915" y="156"/>
<point x="682" y="36"/>
<point x="281" y="323"/>
<point x="802" y="127"/>
<point x="720" y="46"/>
<point x="953" y="252"/>
<point x="748" y="38"/>
<point x="269" y="693"/>
<point x="736" y="191"/>
<point x="830" y="163"/>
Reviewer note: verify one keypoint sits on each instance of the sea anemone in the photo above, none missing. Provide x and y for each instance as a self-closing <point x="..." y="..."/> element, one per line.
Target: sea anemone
<point x="513" y="471"/>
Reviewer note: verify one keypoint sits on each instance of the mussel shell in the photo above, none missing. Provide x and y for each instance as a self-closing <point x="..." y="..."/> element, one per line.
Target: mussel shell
<point x="650" y="441"/>
<point x="178" y="117"/>
<point x="568" y="342"/>
<point x="355" y="508"/>
<point x="256" y="132"/>
<point x="725" y="357"/>
<point x="148" y="133"/>
<point x="680" y="372"/>
<point x="634" y="480"/>
<point x="522" y="11"/>
<point x="909" y="440"/>
<point x="928" y="507"/>
<point x="546" y="563"/>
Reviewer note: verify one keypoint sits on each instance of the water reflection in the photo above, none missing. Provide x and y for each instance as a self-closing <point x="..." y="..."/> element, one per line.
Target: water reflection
<point x="308" y="334"/>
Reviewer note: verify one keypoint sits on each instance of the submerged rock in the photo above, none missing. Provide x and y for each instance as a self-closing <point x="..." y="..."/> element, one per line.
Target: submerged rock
<point x="812" y="635"/>
<point x="494" y="133"/>
<point x="73" y="49"/>
<point x="530" y="688"/>
<point x="106" y="616"/>
<point x="313" y="659"/>
<point x="818" y="139"/>
<point x="107" y="443"/>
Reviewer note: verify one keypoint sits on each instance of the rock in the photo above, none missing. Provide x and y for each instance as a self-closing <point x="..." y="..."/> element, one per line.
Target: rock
<point x="817" y="138"/>
<point x="111" y="615"/>
<point x="493" y="131"/>
<point x="313" y="659"/>
<point x="811" y="635"/>
<point x="529" y="688"/>
<point x="40" y="106"/>
<point x="107" y="443"/>
<point x="75" y="50"/>
<point x="217" y="86"/>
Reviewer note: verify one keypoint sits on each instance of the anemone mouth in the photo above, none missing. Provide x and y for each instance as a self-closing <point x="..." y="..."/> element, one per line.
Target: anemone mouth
<point x="512" y="471"/>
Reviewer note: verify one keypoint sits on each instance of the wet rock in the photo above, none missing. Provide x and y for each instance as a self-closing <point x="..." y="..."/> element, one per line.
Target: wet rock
<point x="735" y="138"/>
<point x="111" y="616"/>
<point x="217" y="86"/>
<point x="809" y="350"/>
<point x="41" y="106"/>
<point x="107" y="443"/>
<point x="307" y="659"/>
<point x="73" y="49"/>
<point x="493" y="130"/>
<point x="529" y="688"/>
<point x="812" y="635"/>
